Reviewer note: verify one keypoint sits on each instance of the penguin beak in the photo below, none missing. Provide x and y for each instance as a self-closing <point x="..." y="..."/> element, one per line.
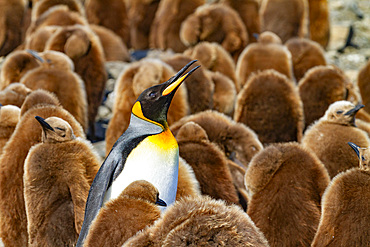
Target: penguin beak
<point x="173" y="84"/>
<point x="160" y="202"/>
<point x="44" y="124"/>
<point x="353" y="111"/>
<point x="35" y="55"/>
<point x="357" y="150"/>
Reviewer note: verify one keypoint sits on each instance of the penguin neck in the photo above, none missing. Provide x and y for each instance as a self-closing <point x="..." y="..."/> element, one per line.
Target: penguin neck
<point x="140" y="125"/>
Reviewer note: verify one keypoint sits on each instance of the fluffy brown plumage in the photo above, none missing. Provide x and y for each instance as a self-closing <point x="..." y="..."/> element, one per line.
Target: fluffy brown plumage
<point x="215" y="23"/>
<point x="41" y="6"/>
<point x="285" y="183"/>
<point x="9" y="118"/>
<point x="320" y="87"/>
<point x="86" y="52"/>
<point x="248" y="11"/>
<point x="130" y="84"/>
<point x="200" y="87"/>
<point x="187" y="184"/>
<point x="201" y="221"/>
<point x="286" y="18"/>
<point x="15" y="66"/>
<point x="13" y="221"/>
<point x="319" y="21"/>
<point x="37" y="40"/>
<point x="238" y="142"/>
<point x="305" y="55"/>
<point x="119" y="219"/>
<point x="14" y="94"/>
<point x="57" y="177"/>
<point x="215" y="58"/>
<point x="12" y="13"/>
<point x="208" y="162"/>
<point x="363" y="82"/>
<point x="266" y="99"/>
<point x="110" y="14"/>
<point x="345" y="219"/>
<point x="237" y="174"/>
<point x="140" y="14"/>
<point x="328" y="137"/>
<point x="165" y="29"/>
<point x="113" y="46"/>
<point x="268" y="53"/>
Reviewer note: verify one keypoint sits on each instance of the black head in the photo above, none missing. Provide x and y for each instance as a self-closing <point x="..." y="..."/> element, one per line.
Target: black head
<point x="153" y="103"/>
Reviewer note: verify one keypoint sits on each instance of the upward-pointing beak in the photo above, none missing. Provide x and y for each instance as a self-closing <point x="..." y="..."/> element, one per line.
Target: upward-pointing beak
<point x="44" y="124"/>
<point x="176" y="80"/>
<point x="35" y="55"/>
<point x="353" y="111"/>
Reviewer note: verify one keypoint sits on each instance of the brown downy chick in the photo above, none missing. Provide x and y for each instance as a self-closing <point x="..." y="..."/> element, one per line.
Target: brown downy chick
<point x="12" y="13"/>
<point x="215" y="23"/>
<point x="215" y="58"/>
<point x="130" y="84"/>
<point x="14" y="94"/>
<point x="15" y="66"/>
<point x="200" y="87"/>
<point x="286" y="18"/>
<point x="363" y="82"/>
<point x="37" y="40"/>
<point x="320" y="87"/>
<point x="41" y="6"/>
<point x="248" y="11"/>
<point x="64" y="83"/>
<point x="285" y="183"/>
<point x="9" y="118"/>
<point x="238" y="142"/>
<point x="111" y="14"/>
<point x="57" y="177"/>
<point x="141" y="15"/>
<point x="345" y="218"/>
<point x="319" y="21"/>
<point x="208" y="162"/>
<point x="13" y="218"/>
<point x="266" y="99"/>
<point x="306" y="54"/>
<point x="268" y="53"/>
<point x="328" y="137"/>
<point x="84" y="48"/>
<point x="113" y="46"/>
<point x="119" y="219"/>
<point x="165" y="29"/>
<point x="38" y="98"/>
<point x="201" y="221"/>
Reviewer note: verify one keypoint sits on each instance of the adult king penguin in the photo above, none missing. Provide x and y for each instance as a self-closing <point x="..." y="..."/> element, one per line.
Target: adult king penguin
<point x="146" y="150"/>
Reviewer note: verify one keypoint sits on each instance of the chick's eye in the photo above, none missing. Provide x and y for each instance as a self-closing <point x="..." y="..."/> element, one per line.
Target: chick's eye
<point x="339" y="112"/>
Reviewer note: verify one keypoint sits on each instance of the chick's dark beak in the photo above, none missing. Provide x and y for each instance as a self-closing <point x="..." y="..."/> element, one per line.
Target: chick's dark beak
<point x="353" y="111"/>
<point x="44" y="124"/>
<point x="160" y="202"/>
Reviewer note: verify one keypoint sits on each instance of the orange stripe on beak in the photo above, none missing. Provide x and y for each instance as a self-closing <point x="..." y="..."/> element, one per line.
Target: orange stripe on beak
<point x="173" y="85"/>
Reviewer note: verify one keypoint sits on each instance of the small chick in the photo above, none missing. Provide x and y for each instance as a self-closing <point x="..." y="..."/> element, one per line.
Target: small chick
<point x="9" y="118"/>
<point x="119" y="219"/>
<point x="201" y="221"/>
<point x="57" y="176"/>
<point x="328" y="137"/>
<point x="14" y="94"/>
<point x="345" y="219"/>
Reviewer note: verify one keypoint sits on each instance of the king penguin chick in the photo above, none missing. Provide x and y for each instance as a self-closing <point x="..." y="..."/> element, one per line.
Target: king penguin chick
<point x="328" y="137"/>
<point x="320" y="87"/>
<point x="286" y="18"/>
<point x="146" y="150"/>
<point x="201" y="221"/>
<point x="12" y="13"/>
<point x="345" y="218"/>
<point x="84" y="48"/>
<point x="306" y="54"/>
<point x="130" y="84"/>
<point x="41" y="6"/>
<point x="9" y="118"/>
<point x="268" y="53"/>
<point x="319" y="21"/>
<point x="37" y="40"/>
<point x="14" y="94"/>
<point x="215" y="58"/>
<point x="13" y="218"/>
<point x="215" y="23"/>
<point x="140" y="14"/>
<point x="57" y="176"/>
<point x="64" y="83"/>
<point x="238" y="142"/>
<point x="363" y="82"/>
<point x="285" y="183"/>
<point x="119" y="219"/>
<point x="165" y="29"/>
<point x="208" y="162"/>
<point x="266" y="99"/>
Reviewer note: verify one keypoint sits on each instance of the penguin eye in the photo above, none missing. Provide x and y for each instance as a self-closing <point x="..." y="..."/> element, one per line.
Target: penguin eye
<point x="339" y="112"/>
<point x="60" y="129"/>
<point x="152" y="95"/>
